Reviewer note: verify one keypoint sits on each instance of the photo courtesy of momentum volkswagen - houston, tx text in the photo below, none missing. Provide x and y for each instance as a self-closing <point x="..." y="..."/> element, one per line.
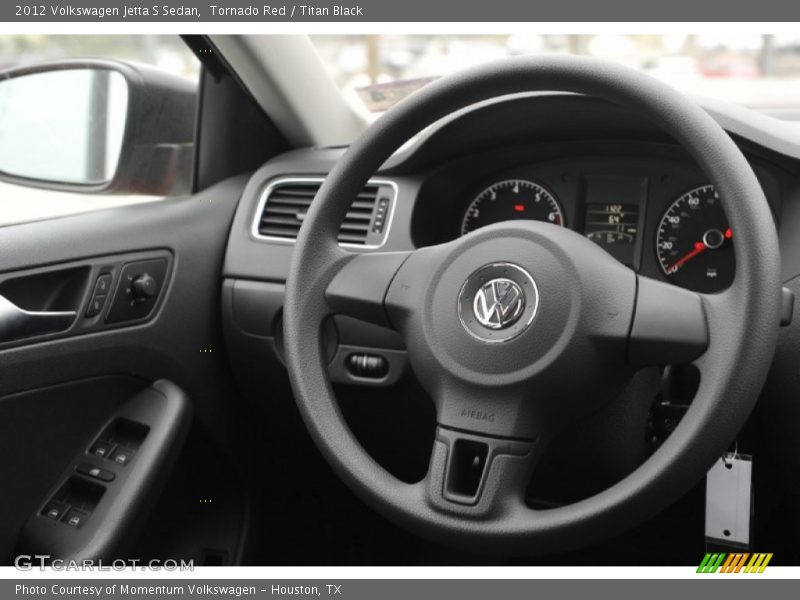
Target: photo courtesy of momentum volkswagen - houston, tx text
<point x="307" y="297"/>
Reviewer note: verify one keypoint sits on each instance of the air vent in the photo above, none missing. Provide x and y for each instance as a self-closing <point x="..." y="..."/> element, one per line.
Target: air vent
<point x="285" y="202"/>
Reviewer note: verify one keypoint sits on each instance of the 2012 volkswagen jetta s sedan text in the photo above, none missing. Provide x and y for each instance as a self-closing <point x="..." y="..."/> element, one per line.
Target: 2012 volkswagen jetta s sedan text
<point x="539" y="311"/>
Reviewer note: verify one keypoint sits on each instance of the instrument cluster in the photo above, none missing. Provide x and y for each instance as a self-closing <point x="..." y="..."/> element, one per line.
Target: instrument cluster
<point x="693" y="242"/>
<point x="658" y="215"/>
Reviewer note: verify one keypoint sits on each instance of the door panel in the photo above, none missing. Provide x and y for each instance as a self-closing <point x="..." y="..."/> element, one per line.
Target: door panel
<point x="96" y="507"/>
<point x="58" y="389"/>
<point x="41" y="431"/>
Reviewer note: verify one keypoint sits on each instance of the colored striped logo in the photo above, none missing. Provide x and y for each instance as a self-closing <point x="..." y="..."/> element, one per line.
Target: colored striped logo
<point x="734" y="562"/>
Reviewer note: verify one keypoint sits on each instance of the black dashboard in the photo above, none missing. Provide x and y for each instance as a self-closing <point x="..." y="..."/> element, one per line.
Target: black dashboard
<point x="572" y="161"/>
<point x="591" y="157"/>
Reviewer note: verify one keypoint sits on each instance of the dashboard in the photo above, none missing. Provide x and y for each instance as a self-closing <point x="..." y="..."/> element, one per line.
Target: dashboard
<point x="570" y="161"/>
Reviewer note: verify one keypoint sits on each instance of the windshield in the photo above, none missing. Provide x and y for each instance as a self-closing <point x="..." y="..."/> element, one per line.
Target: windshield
<point x="759" y="71"/>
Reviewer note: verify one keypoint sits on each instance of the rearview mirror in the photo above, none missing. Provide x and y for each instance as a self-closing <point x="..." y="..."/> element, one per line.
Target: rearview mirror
<point x="63" y="126"/>
<point x="97" y="126"/>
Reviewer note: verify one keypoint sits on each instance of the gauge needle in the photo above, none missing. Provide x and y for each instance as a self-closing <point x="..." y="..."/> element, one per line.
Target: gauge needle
<point x="699" y="247"/>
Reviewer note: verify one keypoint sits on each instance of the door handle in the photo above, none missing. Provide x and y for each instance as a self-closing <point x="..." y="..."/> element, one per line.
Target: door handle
<point x="17" y="323"/>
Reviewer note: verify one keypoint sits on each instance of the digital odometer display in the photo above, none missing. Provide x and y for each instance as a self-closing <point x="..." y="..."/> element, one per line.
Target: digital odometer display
<point x="615" y="227"/>
<point x="612" y="224"/>
<point x="613" y="213"/>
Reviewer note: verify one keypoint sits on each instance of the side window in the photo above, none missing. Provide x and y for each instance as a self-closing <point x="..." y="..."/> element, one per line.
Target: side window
<point x="91" y="122"/>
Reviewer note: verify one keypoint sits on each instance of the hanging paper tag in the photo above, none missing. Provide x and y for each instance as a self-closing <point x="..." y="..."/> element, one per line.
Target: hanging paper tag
<point x="729" y="500"/>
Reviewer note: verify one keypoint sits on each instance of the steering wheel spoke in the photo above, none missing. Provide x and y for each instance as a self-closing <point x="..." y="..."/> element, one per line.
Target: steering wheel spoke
<point x="669" y="325"/>
<point x="479" y="476"/>
<point x="359" y="287"/>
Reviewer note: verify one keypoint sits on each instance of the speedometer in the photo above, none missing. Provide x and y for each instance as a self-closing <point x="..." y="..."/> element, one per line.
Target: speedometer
<point x="512" y="199"/>
<point x="694" y="244"/>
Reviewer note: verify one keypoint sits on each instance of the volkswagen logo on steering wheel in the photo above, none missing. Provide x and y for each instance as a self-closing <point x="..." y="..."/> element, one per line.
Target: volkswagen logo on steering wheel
<point x="498" y="302"/>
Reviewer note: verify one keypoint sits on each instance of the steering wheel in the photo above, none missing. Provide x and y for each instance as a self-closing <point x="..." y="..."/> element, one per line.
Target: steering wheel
<point x="517" y="328"/>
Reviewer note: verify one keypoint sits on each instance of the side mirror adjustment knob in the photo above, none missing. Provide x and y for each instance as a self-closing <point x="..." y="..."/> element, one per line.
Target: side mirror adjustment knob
<point x="144" y="286"/>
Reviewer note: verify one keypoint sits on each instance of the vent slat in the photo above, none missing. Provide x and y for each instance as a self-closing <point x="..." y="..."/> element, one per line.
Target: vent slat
<point x="279" y="232"/>
<point x="305" y="191"/>
<point x="353" y="216"/>
<point x="355" y="227"/>
<point x="284" y="200"/>
<point x="288" y="202"/>
<point x="363" y="204"/>
<point x="283" y="210"/>
<point x="348" y="238"/>
<point x="291" y="222"/>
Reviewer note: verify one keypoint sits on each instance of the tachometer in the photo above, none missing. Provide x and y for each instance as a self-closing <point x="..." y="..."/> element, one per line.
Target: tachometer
<point x="512" y="199"/>
<point x="694" y="244"/>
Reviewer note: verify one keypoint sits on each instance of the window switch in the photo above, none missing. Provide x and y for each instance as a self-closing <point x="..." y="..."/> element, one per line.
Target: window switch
<point x="94" y="472"/>
<point x="54" y="510"/>
<point x="101" y="449"/>
<point x="75" y="518"/>
<point x="96" y="305"/>
<point x="122" y="456"/>
<point x="103" y="284"/>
